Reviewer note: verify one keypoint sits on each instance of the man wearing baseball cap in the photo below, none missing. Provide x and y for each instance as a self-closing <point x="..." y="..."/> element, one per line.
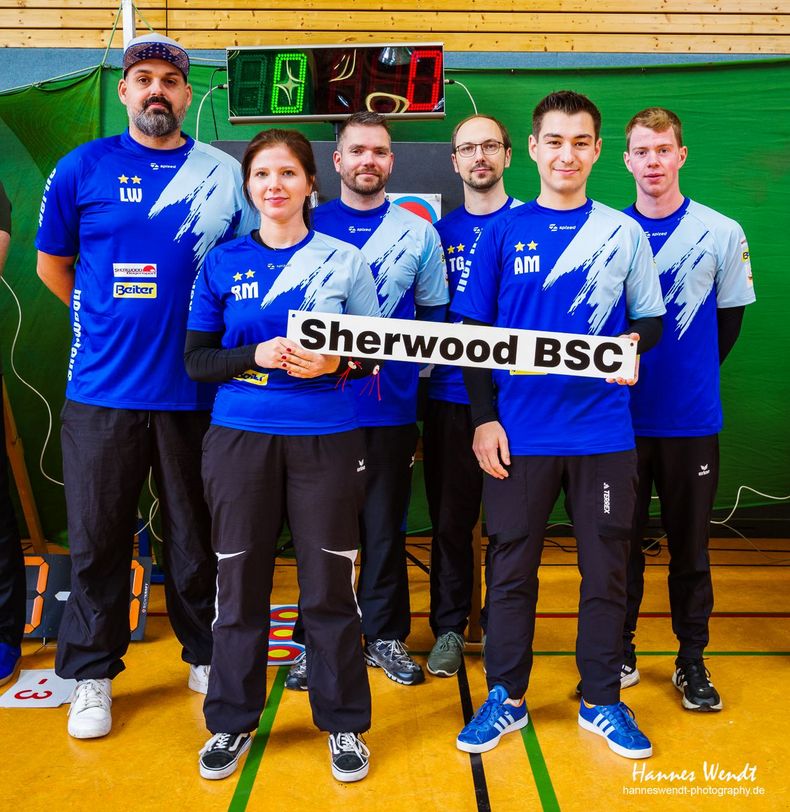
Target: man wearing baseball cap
<point x="125" y="224"/>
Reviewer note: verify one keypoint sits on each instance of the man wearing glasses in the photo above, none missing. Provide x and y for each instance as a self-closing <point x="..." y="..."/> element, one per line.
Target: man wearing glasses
<point x="481" y="151"/>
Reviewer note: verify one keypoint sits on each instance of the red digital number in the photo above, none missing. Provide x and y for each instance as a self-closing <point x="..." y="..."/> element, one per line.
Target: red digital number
<point x="424" y="85"/>
<point x="37" y="609"/>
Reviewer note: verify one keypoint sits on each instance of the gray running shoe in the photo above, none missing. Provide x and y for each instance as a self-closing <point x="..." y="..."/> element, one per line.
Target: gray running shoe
<point x="391" y="655"/>
<point x="446" y="655"/>
<point x="296" y="679"/>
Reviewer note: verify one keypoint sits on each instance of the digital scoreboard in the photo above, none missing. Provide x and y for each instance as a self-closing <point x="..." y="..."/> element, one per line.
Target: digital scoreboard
<point x="330" y="82"/>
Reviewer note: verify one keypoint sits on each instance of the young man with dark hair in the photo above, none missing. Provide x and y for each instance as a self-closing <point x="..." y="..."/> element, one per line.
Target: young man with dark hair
<point x="405" y="255"/>
<point x="480" y="153"/>
<point x="590" y="271"/>
<point x="706" y="280"/>
<point x="125" y="224"/>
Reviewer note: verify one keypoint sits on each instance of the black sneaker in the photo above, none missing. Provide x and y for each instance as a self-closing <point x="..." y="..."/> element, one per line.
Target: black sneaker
<point x="629" y="673"/>
<point x="391" y="655"/>
<point x="692" y="679"/>
<point x="296" y="679"/>
<point x="350" y="756"/>
<point x="221" y="753"/>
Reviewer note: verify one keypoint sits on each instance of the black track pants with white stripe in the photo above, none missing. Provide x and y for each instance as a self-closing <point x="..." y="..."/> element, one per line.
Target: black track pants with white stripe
<point x="251" y="479"/>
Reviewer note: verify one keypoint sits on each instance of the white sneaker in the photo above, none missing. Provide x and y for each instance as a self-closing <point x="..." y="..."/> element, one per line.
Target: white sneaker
<point x="198" y="678"/>
<point x="89" y="715"/>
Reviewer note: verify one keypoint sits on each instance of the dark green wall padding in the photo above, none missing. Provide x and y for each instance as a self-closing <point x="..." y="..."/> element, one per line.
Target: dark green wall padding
<point x="737" y="126"/>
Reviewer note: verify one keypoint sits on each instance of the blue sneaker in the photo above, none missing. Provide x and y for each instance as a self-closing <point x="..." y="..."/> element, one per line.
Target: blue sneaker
<point x="9" y="659"/>
<point x="491" y="722"/>
<point x="617" y="725"/>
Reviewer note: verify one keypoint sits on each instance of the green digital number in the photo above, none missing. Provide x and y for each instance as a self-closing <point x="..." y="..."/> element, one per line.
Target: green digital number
<point x="288" y="83"/>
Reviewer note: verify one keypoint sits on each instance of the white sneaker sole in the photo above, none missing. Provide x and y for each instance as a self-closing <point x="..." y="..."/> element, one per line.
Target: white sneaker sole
<point x="468" y="747"/>
<point x="692" y="706"/>
<point x="613" y="746"/>
<point x="441" y="672"/>
<point x="349" y="778"/>
<point x="216" y="775"/>
<point x="89" y="728"/>
<point x="630" y="679"/>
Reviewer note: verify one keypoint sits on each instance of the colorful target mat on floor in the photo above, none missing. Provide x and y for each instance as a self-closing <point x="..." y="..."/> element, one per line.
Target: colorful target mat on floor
<point x="282" y="649"/>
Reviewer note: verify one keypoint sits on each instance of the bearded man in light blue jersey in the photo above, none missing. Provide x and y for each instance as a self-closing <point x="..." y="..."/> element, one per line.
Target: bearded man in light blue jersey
<point x="125" y="224"/>
<point x="706" y="279"/>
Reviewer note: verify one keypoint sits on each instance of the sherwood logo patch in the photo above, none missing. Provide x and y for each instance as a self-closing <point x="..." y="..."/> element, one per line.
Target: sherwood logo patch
<point x="145" y="270"/>
<point x="704" y="470"/>
<point x="134" y="290"/>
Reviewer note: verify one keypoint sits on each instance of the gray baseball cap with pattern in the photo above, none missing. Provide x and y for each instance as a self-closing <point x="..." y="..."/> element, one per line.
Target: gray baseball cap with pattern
<point x="155" y="46"/>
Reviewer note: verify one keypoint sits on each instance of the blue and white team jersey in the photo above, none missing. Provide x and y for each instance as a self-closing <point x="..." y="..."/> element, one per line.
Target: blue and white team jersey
<point x="405" y="255"/>
<point x="246" y="290"/>
<point x="459" y="231"/>
<point x="141" y="221"/>
<point x="587" y="270"/>
<point x="703" y="264"/>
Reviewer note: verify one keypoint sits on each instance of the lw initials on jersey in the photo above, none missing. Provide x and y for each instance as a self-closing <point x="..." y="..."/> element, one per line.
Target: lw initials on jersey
<point x="526" y="265"/>
<point x="133" y="193"/>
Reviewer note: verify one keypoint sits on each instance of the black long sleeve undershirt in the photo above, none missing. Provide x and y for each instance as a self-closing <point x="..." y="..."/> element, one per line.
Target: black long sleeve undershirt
<point x="728" y="322"/>
<point x="207" y="361"/>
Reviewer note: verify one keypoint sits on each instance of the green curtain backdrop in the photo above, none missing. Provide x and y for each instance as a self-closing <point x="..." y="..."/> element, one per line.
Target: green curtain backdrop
<point x="736" y="120"/>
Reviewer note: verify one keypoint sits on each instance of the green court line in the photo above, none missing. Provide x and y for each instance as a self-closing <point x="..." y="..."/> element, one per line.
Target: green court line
<point x="540" y="772"/>
<point x="241" y="796"/>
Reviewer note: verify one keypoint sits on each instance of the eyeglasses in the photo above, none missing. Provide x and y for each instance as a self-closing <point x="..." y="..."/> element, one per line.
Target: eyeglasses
<point x="488" y="147"/>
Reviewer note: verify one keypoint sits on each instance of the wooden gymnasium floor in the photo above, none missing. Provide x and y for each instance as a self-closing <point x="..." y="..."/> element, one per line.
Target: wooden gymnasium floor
<point x="149" y="761"/>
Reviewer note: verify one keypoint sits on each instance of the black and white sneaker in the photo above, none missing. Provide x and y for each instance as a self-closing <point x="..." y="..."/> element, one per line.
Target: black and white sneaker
<point x="692" y="679"/>
<point x="391" y="655"/>
<point x="350" y="756"/>
<point x="221" y="753"/>
<point x="629" y="673"/>
<point x="296" y="679"/>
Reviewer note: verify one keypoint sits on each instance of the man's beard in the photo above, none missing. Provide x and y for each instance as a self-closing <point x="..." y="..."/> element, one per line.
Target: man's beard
<point x="484" y="183"/>
<point x="350" y="181"/>
<point x="158" y="123"/>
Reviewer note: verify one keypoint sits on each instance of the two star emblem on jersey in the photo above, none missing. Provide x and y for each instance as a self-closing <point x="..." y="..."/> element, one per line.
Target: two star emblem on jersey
<point x="244" y="290"/>
<point x="130" y="190"/>
<point x="451" y="249"/>
<point x="527" y="263"/>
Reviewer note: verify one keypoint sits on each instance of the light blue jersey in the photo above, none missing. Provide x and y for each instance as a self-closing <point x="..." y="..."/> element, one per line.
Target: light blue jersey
<point x="405" y="255"/>
<point x="245" y="291"/>
<point x="459" y="231"/>
<point x="587" y="270"/>
<point x="140" y="222"/>
<point x="703" y="263"/>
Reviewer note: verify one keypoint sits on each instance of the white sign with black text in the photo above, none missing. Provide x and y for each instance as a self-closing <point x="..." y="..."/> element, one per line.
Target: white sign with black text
<point x="427" y="342"/>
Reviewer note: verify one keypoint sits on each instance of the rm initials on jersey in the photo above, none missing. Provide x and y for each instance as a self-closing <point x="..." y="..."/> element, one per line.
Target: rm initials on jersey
<point x="526" y="265"/>
<point x="246" y="290"/>
<point x="131" y="195"/>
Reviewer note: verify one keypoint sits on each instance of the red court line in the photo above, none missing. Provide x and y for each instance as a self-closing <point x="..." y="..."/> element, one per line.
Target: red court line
<point x="576" y="614"/>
